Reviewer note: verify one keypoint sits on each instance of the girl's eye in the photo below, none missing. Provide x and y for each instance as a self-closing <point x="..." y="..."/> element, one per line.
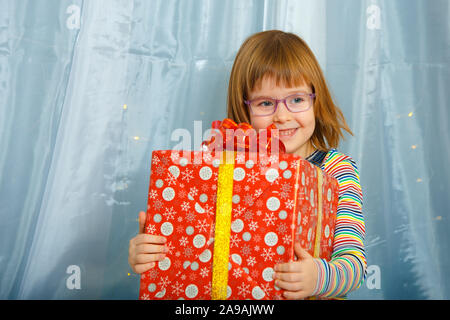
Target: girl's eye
<point x="297" y="100"/>
<point x="265" y="104"/>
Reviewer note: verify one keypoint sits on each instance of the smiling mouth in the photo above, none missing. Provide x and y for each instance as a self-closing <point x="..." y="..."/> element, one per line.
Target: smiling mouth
<point x="288" y="132"/>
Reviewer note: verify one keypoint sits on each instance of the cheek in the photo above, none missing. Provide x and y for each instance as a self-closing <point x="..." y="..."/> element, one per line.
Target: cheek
<point x="307" y="121"/>
<point x="260" y="122"/>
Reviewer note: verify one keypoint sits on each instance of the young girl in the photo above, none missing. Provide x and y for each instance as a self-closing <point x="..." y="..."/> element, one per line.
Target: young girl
<point x="276" y="79"/>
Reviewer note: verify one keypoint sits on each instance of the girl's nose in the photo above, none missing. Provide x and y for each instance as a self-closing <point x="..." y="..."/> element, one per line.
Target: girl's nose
<point x="282" y="114"/>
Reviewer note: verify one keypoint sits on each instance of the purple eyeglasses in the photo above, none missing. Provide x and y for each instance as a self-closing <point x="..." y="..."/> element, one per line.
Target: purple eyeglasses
<point x="266" y="106"/>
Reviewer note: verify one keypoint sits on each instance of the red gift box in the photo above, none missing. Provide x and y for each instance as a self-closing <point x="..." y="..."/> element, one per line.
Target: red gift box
<point x="228" y="224"/>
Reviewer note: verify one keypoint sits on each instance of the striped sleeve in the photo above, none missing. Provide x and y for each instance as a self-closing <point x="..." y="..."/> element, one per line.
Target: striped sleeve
<point x="346" y="270"/>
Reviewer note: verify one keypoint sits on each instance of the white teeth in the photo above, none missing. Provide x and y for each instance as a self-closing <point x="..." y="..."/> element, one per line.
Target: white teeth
<point x="287" y="132"/>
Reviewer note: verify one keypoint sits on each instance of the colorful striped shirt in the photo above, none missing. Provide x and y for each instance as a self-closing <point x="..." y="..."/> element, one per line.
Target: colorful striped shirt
<point x="346" y="270"/>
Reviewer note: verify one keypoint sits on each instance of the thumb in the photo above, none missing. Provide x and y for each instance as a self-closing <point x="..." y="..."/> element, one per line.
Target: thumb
<point x="142" y="218"/>
<point x="300" y="252"/>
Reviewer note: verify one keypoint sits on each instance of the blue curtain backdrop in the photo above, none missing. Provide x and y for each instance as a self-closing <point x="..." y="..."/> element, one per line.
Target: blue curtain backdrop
<point x="88" y="88"/>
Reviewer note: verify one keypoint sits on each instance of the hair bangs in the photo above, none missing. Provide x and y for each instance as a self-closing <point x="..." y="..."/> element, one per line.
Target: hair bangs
<point x="277" y="61"/>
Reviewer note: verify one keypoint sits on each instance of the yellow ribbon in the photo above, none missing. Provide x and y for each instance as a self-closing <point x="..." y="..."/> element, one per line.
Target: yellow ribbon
<point x="319" y="213"/>
<point x="223" y="226"/>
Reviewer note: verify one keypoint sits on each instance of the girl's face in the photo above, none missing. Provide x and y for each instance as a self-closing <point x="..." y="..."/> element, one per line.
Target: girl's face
<point x="295" y="129"/>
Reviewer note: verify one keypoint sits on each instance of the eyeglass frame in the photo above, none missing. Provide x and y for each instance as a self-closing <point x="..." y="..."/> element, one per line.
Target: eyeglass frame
<point x="277" y="101"/>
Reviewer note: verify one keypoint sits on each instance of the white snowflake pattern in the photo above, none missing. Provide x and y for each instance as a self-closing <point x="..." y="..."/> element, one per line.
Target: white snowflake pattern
<point x="267" y="254"/>
<point x="239" y="210"/>
<point x="159" y="170"/>
<point x="253" y="225"/>
<point x="248" y="215"/>
<point x="152" y="194"/>
<point x="251" y="261"/>
<point x="190" y="217"/>
<point x="243" y="289"/>
<point x="208" y="209"/>
<point x="157" y="204"/>
<point x="286" y="187"/>
<point x="237" y="273"/>
<point x="258" y="192"/>
<point x="164" y="282"/>
<point x="183" y="241"/>
<point x="204" y="272"/>
<point x="267" y="288"/>
<point x="169" y="213"/>
<point x="155" y="160"/>
<point x="253" y="177"/>
<point x="282" y="228"/>
<point x="234" y="241"/>
<point x="171" y="180"/>
<point x="151" y="229"/>
<point x="187" y="175"/>
<point x="185" y="206"/>
<point x="287" y="239"/>
<point x="269" y="219"/>
<point x="246" y="250"/>
<point x="170" y="247"/>
<point x="289" y="204"/>
<point x="193" y="191"/>
<point x="145" y="296"/>
<point x="202" y="226"/>
<point x="177" y="288"/>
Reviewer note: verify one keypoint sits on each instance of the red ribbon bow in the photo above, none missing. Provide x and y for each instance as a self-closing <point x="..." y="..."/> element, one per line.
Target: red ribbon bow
<point x="227" y="135"/>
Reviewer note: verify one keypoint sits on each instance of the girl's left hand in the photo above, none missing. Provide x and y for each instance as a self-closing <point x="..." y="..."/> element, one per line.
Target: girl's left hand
<point x="299" y="277"/>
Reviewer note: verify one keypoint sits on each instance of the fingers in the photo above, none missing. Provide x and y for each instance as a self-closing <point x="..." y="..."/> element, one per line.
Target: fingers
<point x="147" y="258"/>
<point x="289" y="277"/>
<point x="291" y="281"/>
<point x="290" y="286"/>
<point x="142" y="218"/>
<point x="295" y="295"/>
<point x="148" y="238"/>
<point x="151" y="248"/>
<point x="292" y="266"/>
<point x="141" y="268"/>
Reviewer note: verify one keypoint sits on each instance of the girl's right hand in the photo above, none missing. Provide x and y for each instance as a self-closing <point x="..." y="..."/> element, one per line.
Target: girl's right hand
<point x="145" y="249"/>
